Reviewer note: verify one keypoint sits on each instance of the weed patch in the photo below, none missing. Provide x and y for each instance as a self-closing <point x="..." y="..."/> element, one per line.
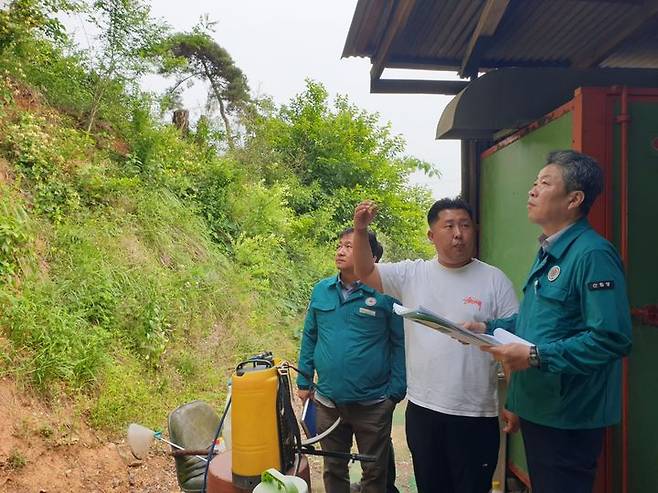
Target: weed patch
<point x="16" y="459"/>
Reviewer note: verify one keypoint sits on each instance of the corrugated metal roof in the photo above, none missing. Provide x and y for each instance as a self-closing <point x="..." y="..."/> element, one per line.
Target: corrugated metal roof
<point x="370" y="18"/>
<point x="638" y="51"/>
<point x="540" y="31"/>
<point x="570" y="33"/>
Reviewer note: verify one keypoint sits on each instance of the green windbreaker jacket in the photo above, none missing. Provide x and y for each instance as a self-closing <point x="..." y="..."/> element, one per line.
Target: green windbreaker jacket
<point x="575" y="309"/>
<point x="356" y="346"/>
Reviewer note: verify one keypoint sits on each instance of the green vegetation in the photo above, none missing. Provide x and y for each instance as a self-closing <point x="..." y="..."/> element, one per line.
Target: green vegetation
<point x="138" y="264"/>
<point x="16" y="459"/>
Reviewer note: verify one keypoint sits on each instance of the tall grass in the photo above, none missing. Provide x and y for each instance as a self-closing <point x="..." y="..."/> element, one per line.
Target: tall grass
<point x="127" y="297"/>
<point x="138" y="265"/>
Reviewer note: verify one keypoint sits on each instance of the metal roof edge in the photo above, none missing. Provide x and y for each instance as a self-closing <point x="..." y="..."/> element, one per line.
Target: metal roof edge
<point x="351" y="47"/>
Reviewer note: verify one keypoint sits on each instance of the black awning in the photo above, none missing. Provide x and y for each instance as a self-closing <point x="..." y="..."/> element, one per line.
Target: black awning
<point x="510" y="98"/>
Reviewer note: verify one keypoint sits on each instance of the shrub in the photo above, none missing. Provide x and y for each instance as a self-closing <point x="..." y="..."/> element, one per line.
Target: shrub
<point x="14" y="234"/>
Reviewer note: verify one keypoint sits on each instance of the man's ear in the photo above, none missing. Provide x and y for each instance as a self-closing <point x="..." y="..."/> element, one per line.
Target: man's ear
<point x="576" y="199"/>
<point x="430" y="235"/>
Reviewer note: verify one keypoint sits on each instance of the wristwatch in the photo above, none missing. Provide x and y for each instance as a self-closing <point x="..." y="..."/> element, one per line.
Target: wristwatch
<point x="533" y="357"/>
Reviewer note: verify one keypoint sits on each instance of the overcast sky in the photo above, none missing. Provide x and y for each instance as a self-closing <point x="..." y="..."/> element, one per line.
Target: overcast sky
<point x="280" y="43"/>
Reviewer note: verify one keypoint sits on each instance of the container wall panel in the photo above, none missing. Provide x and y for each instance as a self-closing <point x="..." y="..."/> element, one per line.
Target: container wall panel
<point x="507" y="239"/>
<point x="643" y="290"/>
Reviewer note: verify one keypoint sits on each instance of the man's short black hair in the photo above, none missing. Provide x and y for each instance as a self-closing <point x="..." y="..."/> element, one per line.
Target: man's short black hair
<point x="579" y="172"/>
<point x="447" y="203"/>
<point x="375" y="247"/>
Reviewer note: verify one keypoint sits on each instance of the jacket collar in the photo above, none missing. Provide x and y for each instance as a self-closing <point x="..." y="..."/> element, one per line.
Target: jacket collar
<point x="557" y="249"/>
<point x="335" y="282"/>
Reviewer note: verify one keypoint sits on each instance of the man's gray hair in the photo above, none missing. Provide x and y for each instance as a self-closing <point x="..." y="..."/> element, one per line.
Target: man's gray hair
<point x="579" y="172"/>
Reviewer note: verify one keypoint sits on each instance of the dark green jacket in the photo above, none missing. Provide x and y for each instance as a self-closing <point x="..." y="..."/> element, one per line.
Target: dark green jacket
<point x="579" y="318"/>
<point x="355" y="346"/>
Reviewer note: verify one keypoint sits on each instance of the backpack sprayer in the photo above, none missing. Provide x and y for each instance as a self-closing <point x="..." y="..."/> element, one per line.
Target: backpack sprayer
<point x="265" y="433"/>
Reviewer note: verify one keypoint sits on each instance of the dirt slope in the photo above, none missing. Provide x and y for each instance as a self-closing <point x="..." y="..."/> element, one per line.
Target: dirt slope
<point x="45" y="449"/>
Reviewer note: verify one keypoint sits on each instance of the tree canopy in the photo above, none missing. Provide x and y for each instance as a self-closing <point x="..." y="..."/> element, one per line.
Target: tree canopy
<point x="197" y="55"/>
<point x="335" y="154"/>
<point x="125" y="48"/>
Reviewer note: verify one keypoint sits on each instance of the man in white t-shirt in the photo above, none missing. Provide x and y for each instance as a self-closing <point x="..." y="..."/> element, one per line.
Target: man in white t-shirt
<point x="451" y="420"/>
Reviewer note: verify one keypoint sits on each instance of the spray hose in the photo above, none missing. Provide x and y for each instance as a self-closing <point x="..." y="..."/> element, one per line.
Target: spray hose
<point x="211" y="449"/>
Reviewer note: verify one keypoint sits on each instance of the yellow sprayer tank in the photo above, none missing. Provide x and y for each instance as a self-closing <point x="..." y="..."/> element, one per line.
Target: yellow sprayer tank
<point x="255" y="434"/>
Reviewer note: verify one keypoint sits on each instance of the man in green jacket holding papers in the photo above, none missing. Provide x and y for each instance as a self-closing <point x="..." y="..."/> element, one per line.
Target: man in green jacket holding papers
<point x="566" y="386"/>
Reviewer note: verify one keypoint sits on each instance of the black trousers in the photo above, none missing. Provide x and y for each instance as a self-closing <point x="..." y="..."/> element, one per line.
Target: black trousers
<point x="391" y="472"/>
<point x="451" y="454"/>
<point x="561" y="460"/>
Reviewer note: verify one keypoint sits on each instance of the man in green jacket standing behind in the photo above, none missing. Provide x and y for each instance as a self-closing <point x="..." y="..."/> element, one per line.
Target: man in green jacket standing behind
<point x="355" y="343"/>
<point x="566" y="386"/>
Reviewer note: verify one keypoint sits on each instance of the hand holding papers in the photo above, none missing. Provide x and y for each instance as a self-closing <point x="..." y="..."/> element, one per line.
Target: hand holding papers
<point x="430" y="319"/>
<point x="505" y="337"/>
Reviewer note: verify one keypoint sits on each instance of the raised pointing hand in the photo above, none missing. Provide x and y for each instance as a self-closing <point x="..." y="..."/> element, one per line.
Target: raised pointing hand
<point x="364" y="213"/>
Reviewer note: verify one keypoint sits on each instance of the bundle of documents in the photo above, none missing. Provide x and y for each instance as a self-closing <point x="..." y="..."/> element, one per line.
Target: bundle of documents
<point x="437" y="322"/>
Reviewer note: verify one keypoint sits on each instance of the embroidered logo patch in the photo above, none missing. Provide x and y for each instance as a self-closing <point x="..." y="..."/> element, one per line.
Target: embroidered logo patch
<point x="554" y="273"/>
<point x="370" y="301"/>
<point x="598" y="285"/>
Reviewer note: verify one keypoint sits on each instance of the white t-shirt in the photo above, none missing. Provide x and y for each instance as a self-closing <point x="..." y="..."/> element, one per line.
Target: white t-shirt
<point x="443" y="374"/>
